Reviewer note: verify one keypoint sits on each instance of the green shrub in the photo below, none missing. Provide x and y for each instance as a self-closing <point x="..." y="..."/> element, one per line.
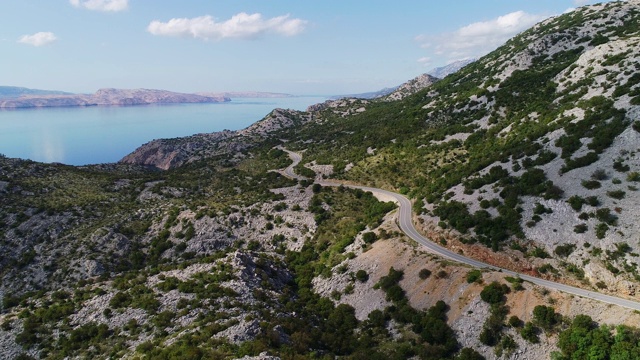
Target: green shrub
<point x="576" y="202"/>
<point x="633" y="176"/>
<point x="530" y="333"/>
<point x="599" y="174"/>
<point x="494" y="293"/>
<point x="580" y="228"/>
<point x="539" y="253"/>
<point x="620" y="166"/>
<point x="120" y="300"/>
<point x="441" y="274"/>
<point x="362" y="276"/>
<point x="424" y="273"/>
<point x="546" y="317"/>
<point x="369" y="237"/>
<point x="616" y="194"/>
<point x="474" y="276"/>
<point x="515" y="322"/>
<point x="546" y="268"/>
<point x="564" y="250"/>
<point x="593" y="201"/>
<point x="605" y="215"/>
<point x="591" y="184"/>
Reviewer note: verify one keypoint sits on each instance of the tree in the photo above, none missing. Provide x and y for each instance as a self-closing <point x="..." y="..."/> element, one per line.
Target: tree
<point x="469" y="354"/>
<point x="494" y="293"/>
<point x="362" y="276"/>
<point x="546" y="317"/>
<point x="530" y="333"/>
<point x="424" y="273"/>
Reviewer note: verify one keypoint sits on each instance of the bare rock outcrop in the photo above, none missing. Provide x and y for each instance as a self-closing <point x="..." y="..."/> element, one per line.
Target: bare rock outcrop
<point x="411" y="87"/>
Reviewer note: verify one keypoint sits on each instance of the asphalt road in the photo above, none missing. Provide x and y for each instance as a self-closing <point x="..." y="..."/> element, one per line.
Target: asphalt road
<point x="406" y="225"/>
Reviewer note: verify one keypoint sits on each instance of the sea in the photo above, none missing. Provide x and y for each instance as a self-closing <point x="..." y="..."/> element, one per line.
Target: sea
<point x="105" y="134"/>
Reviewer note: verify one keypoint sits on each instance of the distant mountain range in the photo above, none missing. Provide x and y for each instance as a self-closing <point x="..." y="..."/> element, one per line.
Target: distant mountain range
<point x="451" y="68"/>
<point x="18" y="97"/>
<point x="440" y="73"/>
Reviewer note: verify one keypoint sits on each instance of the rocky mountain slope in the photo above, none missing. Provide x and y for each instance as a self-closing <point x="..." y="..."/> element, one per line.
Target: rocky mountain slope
<point x="531" y="150"/>
<point x="451" y="68"/>
<point x="108" y="97"/>
<point x="411" y="87"/>
<point x="171" y="153"/>
<point x="526" y="159"/>
<point x="555" y="107"/>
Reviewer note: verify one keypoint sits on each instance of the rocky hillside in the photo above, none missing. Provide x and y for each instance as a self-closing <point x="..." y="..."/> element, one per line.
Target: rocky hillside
<point x="171" y="153"/>
<point x="108" y="97"/>
<point x="526" y="158"/>
<point x="531" y="150"/>
<point x="411" y="87"/>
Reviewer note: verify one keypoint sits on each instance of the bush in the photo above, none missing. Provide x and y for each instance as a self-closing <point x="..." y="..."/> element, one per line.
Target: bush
<point x="530" y="333"/>
<point x="593" y="201"/>
<point x="424" y="273"/>
<point x="606" y="216"/>
<point x="474" y="276"/>
<point x="599" y="174"/>
<point x="620" y="166"/>
<point x="494" y="293"/>
<point x="564" y="250"/>
<point x="576" y="202"/>
<point x="369" y="237"/>
<point x="120" y="300"/>
<point x="591" y="184"/>
<point x="362" y="276"/>
<point x="539" y="253"/>
<point x="515" y="322"/>
<point x="616" y="194"/>
<point x="441" y="274"/>
<point x="601" y="230"/>
<point x="633" y="176"/>
<point x="580" y="228"/>
<point x="546" y="317"/>
<point x="469" y="354"/>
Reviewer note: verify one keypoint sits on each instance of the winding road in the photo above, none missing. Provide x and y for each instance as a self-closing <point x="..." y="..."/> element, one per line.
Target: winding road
<point x="406" y="225"/>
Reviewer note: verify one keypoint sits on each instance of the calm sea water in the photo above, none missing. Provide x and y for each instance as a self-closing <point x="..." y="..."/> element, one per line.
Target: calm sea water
<point x="103" y="134"/>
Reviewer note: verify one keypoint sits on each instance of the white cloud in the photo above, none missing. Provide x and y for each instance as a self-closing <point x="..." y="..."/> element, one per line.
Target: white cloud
<point x="101" y="5"/>
<point x="241" y="26"/>
<point x="425" y="61"/>
<point x="479" y="38"/>
<point x="38" y="39"/>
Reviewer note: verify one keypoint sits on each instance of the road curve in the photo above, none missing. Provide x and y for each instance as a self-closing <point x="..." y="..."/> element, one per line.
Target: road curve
<point x="406" y="225"/>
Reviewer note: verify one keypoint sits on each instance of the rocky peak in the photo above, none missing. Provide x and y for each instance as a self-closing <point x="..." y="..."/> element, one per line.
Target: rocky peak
<point x="411" y="87"/>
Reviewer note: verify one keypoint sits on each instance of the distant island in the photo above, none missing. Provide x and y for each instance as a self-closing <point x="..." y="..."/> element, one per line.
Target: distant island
<point x="247" y="94"/>
<point x="18" y="97"/>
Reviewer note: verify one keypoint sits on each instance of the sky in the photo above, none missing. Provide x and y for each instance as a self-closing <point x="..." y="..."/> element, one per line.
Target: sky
<point x="299" y="47"/>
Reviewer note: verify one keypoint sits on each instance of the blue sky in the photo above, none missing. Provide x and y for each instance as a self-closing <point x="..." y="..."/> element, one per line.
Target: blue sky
<point x="300" y="47"/>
